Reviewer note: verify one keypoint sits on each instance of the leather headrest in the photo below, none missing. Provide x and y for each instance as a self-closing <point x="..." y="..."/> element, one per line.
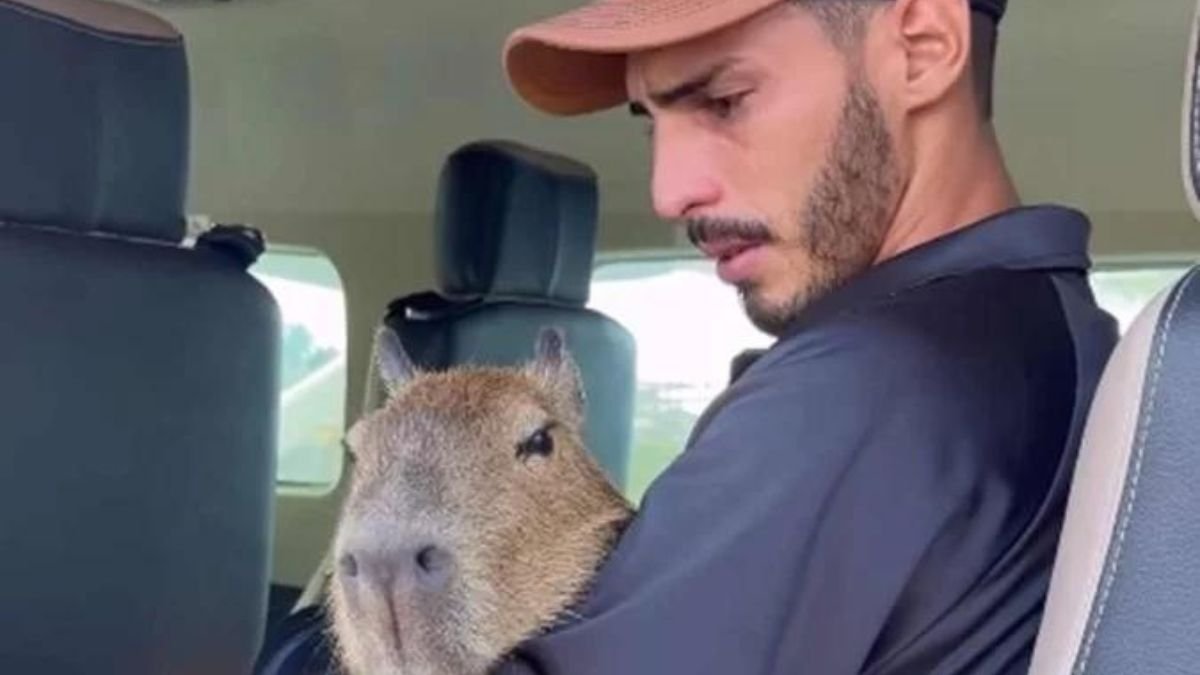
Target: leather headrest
<point x="94" y="125"/>
<point x="515" y="222"/>
<point x="1191" y="120"/>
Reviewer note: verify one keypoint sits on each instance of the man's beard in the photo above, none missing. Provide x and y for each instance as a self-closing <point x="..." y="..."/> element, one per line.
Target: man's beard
<point x="842" y="224"/>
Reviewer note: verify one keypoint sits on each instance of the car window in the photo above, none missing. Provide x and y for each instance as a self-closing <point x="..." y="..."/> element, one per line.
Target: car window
<point x="312" y="393"/>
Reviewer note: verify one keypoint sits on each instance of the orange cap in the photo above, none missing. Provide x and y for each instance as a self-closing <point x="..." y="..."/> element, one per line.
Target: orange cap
<point x="574" y="63"/>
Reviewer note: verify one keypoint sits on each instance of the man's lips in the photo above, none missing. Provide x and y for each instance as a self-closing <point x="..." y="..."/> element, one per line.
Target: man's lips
<point x="726" y="249"/>
<point x="736" y="258"/>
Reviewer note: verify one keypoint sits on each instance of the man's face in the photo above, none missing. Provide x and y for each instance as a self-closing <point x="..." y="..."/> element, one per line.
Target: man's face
<point x="771" y="146"/>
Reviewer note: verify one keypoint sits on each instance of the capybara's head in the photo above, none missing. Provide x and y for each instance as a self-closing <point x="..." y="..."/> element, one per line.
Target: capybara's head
<point x="475" y="515"/>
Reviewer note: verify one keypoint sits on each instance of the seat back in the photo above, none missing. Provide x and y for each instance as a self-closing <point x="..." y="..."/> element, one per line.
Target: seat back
<point x="138" y="393"/>
<point x="516" y="231"/>
<point x="1125" y="592"/>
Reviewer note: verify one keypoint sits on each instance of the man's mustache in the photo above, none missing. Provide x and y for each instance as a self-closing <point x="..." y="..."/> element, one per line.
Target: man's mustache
<point x="701" y="230"/>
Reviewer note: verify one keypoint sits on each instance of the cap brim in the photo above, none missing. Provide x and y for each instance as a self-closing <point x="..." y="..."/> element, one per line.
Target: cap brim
<point x="575" y="63"/>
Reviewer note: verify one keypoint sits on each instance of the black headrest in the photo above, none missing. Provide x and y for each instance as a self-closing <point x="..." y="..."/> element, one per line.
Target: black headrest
<point x="94" y="121"/>
<point x="515" y="222"/>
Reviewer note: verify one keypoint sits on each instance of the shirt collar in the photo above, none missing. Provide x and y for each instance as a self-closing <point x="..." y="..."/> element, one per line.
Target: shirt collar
<point x="1026" y="238"/>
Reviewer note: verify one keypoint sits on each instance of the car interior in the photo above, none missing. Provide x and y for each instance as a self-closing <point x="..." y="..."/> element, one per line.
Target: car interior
<point x="209" y="207"/>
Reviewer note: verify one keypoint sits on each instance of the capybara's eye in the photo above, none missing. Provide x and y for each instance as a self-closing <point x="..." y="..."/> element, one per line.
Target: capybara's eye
<point x="540" y="444"/>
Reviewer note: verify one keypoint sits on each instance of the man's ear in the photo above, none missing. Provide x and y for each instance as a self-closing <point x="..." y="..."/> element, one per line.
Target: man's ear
<point x="933" y="39"/>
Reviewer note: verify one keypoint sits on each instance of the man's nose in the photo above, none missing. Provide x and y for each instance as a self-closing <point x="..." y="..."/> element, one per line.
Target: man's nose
<point x="425" y="568"/>
<point x="683" y="180"/>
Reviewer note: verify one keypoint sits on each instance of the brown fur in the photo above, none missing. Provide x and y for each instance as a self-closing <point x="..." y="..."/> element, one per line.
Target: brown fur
<point x="438" y="463"/>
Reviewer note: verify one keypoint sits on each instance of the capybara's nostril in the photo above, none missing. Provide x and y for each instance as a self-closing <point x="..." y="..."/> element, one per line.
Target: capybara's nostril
<point x="348" y="565"/>
<point x="434" y="565"/>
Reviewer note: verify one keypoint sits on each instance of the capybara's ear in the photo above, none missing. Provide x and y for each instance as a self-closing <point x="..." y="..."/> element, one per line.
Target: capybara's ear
<point x="555" y="365"/>
<point x="395" y="367"/>
<point x="551" y="346"/>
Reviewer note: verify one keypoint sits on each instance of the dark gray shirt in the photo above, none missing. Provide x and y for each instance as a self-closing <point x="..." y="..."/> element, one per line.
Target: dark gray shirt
<point x="881" y="492"/>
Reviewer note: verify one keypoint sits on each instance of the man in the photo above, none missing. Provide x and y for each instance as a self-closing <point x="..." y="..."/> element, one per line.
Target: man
<point x="882" y="491"/>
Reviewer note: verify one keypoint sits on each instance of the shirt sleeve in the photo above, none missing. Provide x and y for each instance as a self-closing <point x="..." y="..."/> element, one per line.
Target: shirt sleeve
<point x="782" y="537"/>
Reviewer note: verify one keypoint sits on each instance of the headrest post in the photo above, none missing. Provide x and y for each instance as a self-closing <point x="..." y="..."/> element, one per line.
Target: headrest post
<point x="1190" y="120"/>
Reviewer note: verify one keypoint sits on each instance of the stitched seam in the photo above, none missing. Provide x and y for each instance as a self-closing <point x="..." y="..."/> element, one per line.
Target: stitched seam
<point x="1127" y="512"/>
<point x="94" y="32"/>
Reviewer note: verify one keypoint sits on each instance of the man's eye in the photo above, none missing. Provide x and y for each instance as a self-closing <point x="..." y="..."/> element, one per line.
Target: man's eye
<point x="723" y="107"/>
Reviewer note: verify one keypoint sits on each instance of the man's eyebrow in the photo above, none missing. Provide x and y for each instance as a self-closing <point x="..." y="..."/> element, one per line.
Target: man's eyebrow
<point x="685" y="89"/>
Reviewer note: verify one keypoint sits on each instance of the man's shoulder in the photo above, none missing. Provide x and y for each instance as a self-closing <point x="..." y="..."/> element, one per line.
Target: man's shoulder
<point x="959" y="363"/>
<point x="962" y="321"/>
<point x="953" y="349"/>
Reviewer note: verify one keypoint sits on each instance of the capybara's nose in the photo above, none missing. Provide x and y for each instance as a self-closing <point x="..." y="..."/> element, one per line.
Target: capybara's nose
<point x="424" y="568"/>
<point x="434" y="565"/>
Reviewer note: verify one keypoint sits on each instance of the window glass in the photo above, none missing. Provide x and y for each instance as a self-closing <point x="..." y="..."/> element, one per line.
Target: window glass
<point x="688" y="327"/>
<point x="312" y="306"/>
<point x="1124" y="291"/>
